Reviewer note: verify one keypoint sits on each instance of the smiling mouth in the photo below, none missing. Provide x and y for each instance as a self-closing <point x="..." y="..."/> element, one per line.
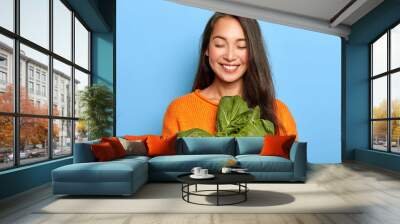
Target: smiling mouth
<point x="229" y="68"/>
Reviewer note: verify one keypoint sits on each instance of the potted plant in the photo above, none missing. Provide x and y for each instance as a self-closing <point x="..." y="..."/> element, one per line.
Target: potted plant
<point x="97" y="103"/>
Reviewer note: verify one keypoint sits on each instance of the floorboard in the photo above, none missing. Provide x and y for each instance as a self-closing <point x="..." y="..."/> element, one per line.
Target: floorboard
<point x="376" y="188"/>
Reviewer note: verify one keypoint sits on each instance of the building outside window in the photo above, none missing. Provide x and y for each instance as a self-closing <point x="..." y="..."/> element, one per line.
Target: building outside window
<point x="34" y="75"/>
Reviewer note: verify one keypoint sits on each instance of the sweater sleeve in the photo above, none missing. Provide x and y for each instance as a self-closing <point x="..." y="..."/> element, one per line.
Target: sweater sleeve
<point x="287" y="120"/>
<point x="170" y="123"/>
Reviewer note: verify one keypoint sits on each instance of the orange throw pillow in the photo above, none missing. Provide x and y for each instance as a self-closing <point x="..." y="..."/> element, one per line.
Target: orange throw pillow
<point x="116" y="145"/>
<point x="158" y="145"/>
<point x="277" y="145"/>
<point x="103" y="151"/>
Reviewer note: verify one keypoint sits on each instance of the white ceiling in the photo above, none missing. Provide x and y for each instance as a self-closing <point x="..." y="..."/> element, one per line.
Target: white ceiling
<point x="326" y="16"/>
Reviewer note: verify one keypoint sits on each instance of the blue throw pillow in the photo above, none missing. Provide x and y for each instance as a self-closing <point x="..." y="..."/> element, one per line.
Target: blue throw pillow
<point x="249" y="145"/>
<point x="206" y="145"/>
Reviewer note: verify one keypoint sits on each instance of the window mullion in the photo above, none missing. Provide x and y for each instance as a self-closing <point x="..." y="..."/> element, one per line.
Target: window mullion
<point x="371" y="98"/>
<point x="73" y="83"/>
<point x="50" y="81"/>
<point x="389" y="113"/>
<point x="16" y="83"/>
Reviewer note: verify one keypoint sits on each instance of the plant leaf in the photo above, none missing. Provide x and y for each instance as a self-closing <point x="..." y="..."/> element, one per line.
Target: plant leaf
<point x="194" y="132"/>
<point x="230" y="115"/>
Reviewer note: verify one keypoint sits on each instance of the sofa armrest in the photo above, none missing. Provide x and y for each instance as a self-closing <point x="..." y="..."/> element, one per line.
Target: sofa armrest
<point x="298" y="155"/>
<point x="83" y="152"/>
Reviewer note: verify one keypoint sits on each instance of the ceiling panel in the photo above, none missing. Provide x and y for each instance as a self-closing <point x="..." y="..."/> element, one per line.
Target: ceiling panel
<point x="333" y="17"/>
<point x="320" y="9"/>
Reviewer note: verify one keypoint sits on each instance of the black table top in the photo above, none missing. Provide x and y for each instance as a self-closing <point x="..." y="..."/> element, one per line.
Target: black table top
<point x="220" y="178"/>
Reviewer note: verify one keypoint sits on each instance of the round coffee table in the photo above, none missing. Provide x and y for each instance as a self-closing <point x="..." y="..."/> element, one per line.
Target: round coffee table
<point x="238" y="179"/>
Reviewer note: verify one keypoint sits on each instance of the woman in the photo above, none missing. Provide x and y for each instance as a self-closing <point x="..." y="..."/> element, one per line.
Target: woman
<point x="232" y="62"/>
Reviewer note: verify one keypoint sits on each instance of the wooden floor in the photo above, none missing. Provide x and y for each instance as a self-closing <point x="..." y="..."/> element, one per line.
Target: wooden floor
<point x="378" y="188"/>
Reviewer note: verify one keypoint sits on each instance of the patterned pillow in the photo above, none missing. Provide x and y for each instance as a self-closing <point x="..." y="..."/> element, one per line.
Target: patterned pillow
<point x="134" y="147"/>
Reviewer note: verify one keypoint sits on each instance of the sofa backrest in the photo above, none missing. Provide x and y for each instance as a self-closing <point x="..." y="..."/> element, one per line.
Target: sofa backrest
<point x="205" y="145"/>
<point x="249" y="145"/>
<point x="83" y="152"/>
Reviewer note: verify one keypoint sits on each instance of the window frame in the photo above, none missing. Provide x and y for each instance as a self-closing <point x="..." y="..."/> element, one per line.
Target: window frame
<point x="388" y="74"/>
<point x="16" y="115"/>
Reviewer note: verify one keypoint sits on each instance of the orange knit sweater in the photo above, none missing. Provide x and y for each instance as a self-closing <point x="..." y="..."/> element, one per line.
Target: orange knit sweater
<point x="195" y="111"/>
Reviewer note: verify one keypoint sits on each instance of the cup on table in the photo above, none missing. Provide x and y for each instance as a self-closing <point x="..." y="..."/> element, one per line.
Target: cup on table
<point x="203" y="172"/>
<point x="226" y="170"/>
<point x="196" y="171"/>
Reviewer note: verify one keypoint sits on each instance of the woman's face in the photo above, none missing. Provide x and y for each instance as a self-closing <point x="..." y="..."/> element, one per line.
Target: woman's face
<point x="227" y="51"/>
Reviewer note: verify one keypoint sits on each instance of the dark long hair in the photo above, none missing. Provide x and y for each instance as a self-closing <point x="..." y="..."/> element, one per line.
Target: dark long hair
<point x="258" y="86"/>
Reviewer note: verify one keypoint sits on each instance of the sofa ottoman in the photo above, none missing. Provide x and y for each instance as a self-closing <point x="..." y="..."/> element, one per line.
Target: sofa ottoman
<point x="88" y="177"/>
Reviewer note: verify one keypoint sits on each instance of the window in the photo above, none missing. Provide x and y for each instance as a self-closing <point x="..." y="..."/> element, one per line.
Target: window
<point x="3" y="78"/>
<point x="38" y="74"/>
<point x="81" y="45"/>
<point x="6" y="73"/>
<point x="385" y="91"/>
<point x="62" y="74"/>
<point x="43" y="90"/>
<point x="7" y="14"/>
<point x="62" y="29"/>
<point x="30" y="87"/>
<point x="30" y="72"/>
<point x="34" y="22"/>
<point x="54" y="126"/>
<point x="37" y="89"/>
<point x="43" y="77"/>
<point x="3" y="72"/>
<point x="3" y="61"/>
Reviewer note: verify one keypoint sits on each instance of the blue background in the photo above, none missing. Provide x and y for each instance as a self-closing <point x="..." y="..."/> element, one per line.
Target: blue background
<point x="157" y="52"/>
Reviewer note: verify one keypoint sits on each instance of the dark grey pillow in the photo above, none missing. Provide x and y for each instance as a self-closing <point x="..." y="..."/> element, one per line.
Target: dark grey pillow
<point x="134" y="147"/>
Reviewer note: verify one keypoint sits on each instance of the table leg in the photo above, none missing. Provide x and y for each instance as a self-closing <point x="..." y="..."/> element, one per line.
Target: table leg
<point x="245" y="193"/>
<point x="196" y="188"/>
<point x="188" y="189"/>
<point x="217" y="194"/>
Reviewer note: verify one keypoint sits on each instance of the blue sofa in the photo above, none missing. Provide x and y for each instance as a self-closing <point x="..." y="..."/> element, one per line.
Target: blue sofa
<point x="125" y="176"/>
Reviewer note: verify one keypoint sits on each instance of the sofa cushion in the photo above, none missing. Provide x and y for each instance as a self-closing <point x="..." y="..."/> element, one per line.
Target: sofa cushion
<point x="103" y="152"/>
<point x="185" y="163"/>
<point x="132" y="159"/>
<point x="257" y="163"/>
<point x="160" y="145"/>
<point x="134" y="147"/>
<point x="206" y="145"/>
<point x="116" y="145"/>
<point x="277" y="146"/>
<point x="249" y="145"/>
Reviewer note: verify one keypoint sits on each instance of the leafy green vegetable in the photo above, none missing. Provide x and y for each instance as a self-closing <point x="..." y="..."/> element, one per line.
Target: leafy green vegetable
<point x="231" y="115"/>
<point x="194" y="132"/>
<point x="235" y="119"/>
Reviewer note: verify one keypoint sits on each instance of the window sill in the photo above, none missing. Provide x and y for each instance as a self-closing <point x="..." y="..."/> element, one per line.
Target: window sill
<point x="26" y="167"/>
<point x="378" y="158"/>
